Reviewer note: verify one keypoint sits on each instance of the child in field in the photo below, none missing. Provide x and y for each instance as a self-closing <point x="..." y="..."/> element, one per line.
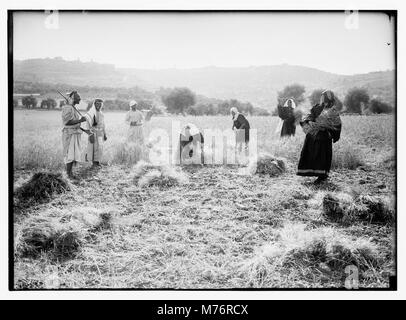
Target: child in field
<point x="322" y="127"/>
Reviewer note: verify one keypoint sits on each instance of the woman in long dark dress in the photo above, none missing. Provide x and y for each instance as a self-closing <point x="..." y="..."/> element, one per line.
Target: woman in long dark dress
<point x="323" y="128"/>
<point x="286" y="113"/>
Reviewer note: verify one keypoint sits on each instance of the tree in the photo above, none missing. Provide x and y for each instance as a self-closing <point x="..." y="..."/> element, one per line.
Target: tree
<point x="314" y="97"/>
<point x="178" y="100"/>
<point x="145" y="105"/>
<point x="29" y="102"/>
<point x="378" y="106"/>
<point x="48" y="103"/>
<point x="355" y="99"/>
<point x="293" y="91"/>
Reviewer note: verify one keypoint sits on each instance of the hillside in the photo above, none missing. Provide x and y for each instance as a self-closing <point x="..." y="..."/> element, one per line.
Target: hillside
<point x="258" y="85"/>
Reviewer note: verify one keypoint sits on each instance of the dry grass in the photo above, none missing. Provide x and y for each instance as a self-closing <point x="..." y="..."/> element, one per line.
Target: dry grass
<point x="220" y="230"/>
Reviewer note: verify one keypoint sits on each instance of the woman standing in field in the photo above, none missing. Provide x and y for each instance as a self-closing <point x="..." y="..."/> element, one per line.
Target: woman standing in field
<point x="95" y="124"/>
<point x="135" y="119"/>
<point x="322" y="127"/>
<point x="286" y="114"/>
<point x="71" y="132"/>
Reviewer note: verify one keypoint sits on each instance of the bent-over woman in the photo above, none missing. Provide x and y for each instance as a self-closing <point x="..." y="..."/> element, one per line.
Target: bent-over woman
<point x="241" y="126"/>
<point x="190" y="140"/>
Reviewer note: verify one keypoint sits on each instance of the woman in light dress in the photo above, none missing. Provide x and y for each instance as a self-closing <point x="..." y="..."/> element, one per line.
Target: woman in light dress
<point x="95" y="124"/>
<point x="135" y="119"/>
<point x="135" y="143"/>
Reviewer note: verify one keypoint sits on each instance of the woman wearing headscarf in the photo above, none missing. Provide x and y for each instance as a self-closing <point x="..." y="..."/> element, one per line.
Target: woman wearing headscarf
<point x="135" y="120"/>
<point x="95" y="124"/>
<point x="287" y="118"/>
<point x="190" y="139"/>
<point x="323" y="128"/>
<point x="241" y="126"/>
<point x="71" y="132"/>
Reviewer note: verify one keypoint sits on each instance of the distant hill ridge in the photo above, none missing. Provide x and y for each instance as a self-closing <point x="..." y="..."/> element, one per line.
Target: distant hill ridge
<point x="256" y="84"/>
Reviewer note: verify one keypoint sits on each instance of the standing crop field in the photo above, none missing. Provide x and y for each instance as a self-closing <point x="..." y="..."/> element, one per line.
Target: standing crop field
<point x="219" y="229"/>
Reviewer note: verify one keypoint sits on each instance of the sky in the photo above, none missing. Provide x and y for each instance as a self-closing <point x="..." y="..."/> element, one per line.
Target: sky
<point x="335" y="42"/>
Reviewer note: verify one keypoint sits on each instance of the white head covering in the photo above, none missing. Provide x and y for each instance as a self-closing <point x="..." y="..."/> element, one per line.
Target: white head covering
<point x="132" y="103"/>
<point x="293" y="103"/>
<point x="236" y="113"/>
<point x="91" y="115"/>
<point x="192" y="129"/>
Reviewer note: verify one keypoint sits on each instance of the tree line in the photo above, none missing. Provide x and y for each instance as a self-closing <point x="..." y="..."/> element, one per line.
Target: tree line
<point x="357" y="100"/>
<point x="184" y="101"/>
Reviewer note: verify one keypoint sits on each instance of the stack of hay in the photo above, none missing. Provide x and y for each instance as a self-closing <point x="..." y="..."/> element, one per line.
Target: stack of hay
<point x="344" y="208"/>
<point x="306" y="250"/>
<point x="59" y="234"/>
<point x="42" y="186"/>
<point x="149" y="175"/>
<point x="266" y="164"/>
<point x="39" y="235"/>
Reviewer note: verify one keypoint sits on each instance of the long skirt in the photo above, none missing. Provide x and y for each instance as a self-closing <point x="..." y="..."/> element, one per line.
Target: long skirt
<point x="288" y="128"/>
<point x="94" y="151"/>
<point x="316" y="156"/>
<point x="71" y="147"/>
<point x="136" y="135"/>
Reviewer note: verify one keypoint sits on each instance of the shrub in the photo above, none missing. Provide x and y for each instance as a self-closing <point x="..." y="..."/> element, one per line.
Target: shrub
<point x="355" y="98"/>
<point x="294" y="91"/>
<point x="377" y="106"/>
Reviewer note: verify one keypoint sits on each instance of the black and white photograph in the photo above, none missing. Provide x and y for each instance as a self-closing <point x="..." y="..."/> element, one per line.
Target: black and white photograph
<point x="202" y="150"/>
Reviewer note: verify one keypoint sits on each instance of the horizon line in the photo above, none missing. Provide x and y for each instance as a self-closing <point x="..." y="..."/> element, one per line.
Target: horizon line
<point x="201" y="67"/>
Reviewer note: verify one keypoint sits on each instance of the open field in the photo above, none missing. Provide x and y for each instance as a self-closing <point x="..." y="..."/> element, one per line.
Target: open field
<point x="219" y="230"/>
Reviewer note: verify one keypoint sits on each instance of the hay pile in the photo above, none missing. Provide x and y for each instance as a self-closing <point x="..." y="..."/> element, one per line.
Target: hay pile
<point x="39" y="235"/>
<point x="345" y="209"/>
<point x="90" y="218"/>
<point x="42" y="186"/>
<point x="266" y="164"/>
<point x="149" y="175"/>
<point x="58" y="233"/>
<point x="308" y="251"/>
